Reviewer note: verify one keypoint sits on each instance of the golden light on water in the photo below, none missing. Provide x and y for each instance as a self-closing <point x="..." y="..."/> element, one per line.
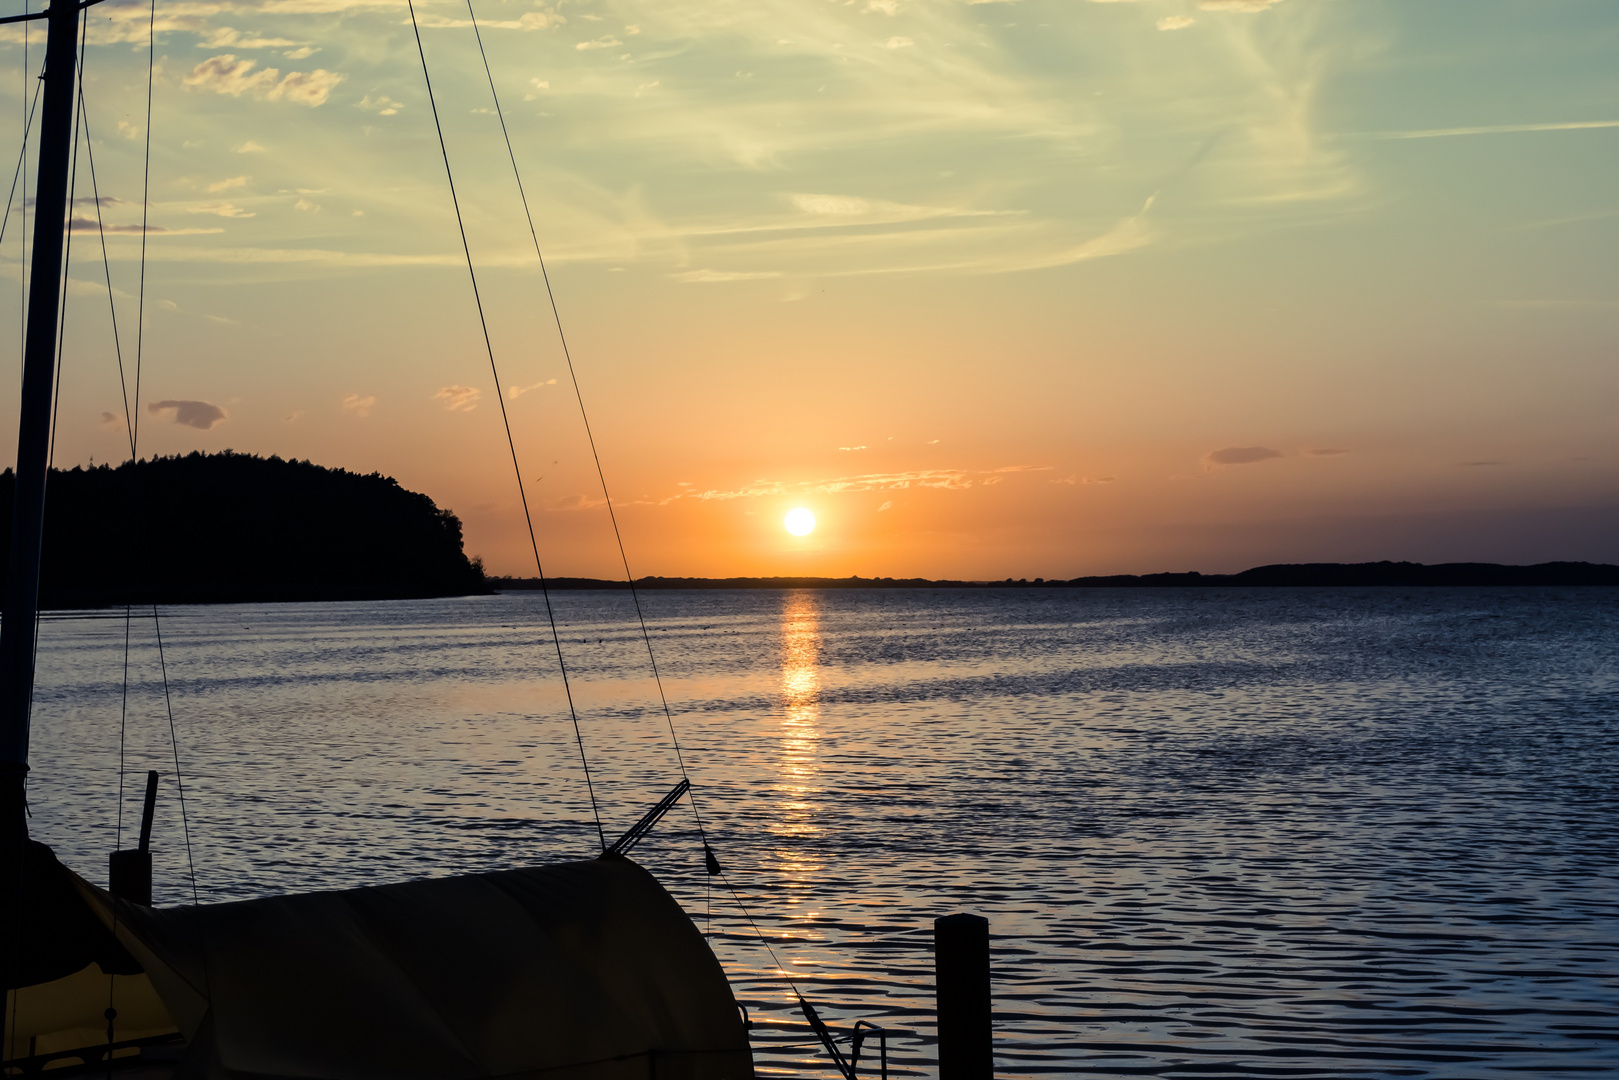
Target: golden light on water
<point x="799" y="740"/>
<point x="799" y="522"/>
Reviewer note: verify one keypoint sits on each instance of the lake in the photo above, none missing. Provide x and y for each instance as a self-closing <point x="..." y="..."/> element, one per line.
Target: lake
<point x="1286" y="832"/>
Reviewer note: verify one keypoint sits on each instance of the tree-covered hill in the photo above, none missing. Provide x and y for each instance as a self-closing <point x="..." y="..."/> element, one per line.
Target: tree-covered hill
<point x="213" y="528"/>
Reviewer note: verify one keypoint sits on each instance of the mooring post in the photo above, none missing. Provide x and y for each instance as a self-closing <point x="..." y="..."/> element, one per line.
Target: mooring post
<point x="129" y="873"/>
<point x="961" y="967"/>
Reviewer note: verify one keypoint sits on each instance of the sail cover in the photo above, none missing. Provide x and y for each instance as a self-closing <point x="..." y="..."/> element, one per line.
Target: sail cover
<point x="576" y="970"/>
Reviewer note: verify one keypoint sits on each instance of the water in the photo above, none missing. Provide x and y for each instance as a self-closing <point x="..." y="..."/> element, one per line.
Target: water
<point x="1356" y="833"/>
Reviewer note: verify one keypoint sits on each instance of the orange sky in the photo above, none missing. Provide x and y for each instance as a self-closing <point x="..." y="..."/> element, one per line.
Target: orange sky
<point x="1033" y="289"/>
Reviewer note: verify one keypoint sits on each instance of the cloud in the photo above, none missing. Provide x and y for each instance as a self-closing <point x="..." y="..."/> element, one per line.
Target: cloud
<point x="519" y="391"/>
<point x="249" y="147"/>
<point x="1238" y="5"/>
<point x="459" y="398"/>
<point x="226" y="38"/>
<point x="357" y="405"/>
<point x="600" y="43"/>
<point x="1241" y="455"/>
<point x="889" y="505"/>
<point x="222" y="209"/>
<point x="225" y="74"/>
<point x="80" y="223"/>
<point x="899" y="43"/>
<point x="198" y="414"/>
<point x="1175" y="22"/>
<point x="941" y="479"/>
<point x="690" y="276"/>
<point x="112" y="418"/>
<point x="1326" y="451"/>
<point x="303" y="52"/>
<point x="538" y="19"/>
<point x="575" y="502"/>
<point x="381" y="104"/>
<point x="225" y="185"/>
<point x="1495" y="129"/>
<point x="854" y="448"/>
<point x="309" y="89"/>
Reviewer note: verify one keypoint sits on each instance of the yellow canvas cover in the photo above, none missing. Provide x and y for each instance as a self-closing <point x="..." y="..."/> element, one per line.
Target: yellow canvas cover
<point x="575" y="970"/>
<point x="46" y="1022"/>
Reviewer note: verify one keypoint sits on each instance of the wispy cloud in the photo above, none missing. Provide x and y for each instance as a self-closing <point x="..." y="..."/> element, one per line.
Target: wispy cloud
<point x="696" y="276"/>
<point x="80" y="223"/>
<point x="1493" y="129"/>
<point x="225" y="37"/>
<point x="220" y="209"/>
<point x="458" y="398"/>
<point x="1241" y="455"/>
<point x="355" y="405"/>
<point x="519" y="391"/>
<point x="539" y="19"/>
<point x="381" y="104"/>
<point x="225" y="74"/>
<point x="1248" y="6"/>
<point x="940" y="479"/>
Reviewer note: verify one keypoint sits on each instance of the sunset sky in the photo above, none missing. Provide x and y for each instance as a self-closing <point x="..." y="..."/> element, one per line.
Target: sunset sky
<point x="1037" y="288"/>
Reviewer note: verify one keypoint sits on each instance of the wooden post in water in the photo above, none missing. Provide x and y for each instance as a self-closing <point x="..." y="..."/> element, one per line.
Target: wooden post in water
<point x="961" y="973"/>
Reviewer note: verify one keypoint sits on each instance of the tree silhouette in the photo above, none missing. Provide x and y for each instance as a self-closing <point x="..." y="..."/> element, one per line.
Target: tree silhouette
<point x="213" y="528"/>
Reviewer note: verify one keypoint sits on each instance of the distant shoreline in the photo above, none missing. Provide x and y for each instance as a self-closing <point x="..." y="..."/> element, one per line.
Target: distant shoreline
<point x="1281" y="575"/>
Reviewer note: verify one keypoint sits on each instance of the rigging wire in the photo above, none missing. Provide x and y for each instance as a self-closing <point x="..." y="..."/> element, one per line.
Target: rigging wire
<point x="132" y="422"/>
<point x="646" y="637"/>
<point x="511" y="443"/>
<point x="132" y="425"/>
<point x="691" y="794"/>
<point x="22" y="155"/>
<point x="118" y="353"/>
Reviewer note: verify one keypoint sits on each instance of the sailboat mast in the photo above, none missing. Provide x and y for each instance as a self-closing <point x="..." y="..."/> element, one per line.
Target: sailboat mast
<point x="19" y="604"/>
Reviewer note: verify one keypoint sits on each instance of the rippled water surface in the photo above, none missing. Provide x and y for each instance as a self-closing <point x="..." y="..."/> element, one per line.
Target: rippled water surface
<point x="1336" y="833"/>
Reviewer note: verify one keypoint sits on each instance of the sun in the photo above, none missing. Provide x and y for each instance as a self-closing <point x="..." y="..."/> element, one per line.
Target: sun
<point x="799" y="522"/>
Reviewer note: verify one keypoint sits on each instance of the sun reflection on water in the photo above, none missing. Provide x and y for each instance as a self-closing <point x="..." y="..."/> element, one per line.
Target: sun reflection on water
<point x="798" y="769"/>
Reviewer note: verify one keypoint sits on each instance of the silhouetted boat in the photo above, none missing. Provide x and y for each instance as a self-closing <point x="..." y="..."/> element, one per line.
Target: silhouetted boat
<point x="578" y="970"/>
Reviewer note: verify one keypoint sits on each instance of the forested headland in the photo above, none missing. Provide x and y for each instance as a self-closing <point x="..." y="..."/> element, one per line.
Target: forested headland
<point x="229" y="527"/>
<point x="1281" y="575"/>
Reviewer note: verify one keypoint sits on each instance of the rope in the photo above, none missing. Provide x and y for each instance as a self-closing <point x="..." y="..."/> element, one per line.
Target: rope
<point x="505" y="420"/>
<point x="590" y="437"/>
<point x="602" y="477"/>
<point x="106" y="261"/>
<point x="132" y="418"/>
<point x="132" y="424"/>
<point x="146" y="206"/>
<point x="28" y="126"/>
